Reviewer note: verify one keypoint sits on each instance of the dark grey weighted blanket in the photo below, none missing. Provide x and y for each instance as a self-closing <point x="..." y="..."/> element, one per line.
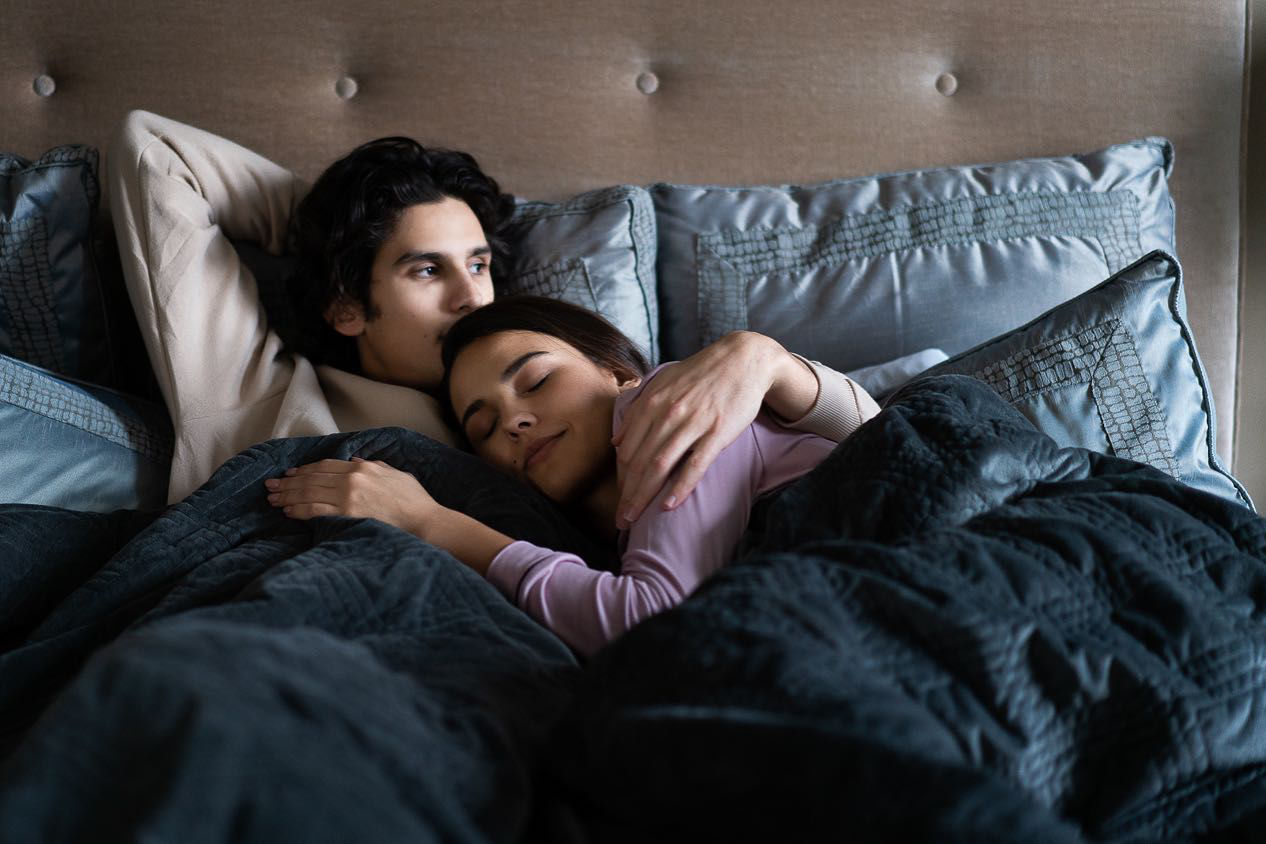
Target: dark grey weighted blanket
<point x="952" y="630"/>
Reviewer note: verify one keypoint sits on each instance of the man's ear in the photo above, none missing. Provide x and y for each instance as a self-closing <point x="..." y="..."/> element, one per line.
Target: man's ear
<point x="347" y="318"/>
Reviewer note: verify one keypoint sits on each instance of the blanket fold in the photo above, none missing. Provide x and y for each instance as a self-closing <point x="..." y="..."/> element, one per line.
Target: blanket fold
<point x="951" y="630"/>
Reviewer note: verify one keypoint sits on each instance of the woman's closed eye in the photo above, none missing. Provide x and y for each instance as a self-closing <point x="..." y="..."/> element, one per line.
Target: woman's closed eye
<point x="496" y="418"/>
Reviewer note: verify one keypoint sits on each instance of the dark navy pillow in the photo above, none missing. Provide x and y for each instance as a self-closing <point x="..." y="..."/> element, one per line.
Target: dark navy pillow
<point x="52" y="311"/>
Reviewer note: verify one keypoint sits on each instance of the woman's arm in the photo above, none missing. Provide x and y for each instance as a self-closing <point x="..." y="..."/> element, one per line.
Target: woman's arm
<point x="694" y="409"/>
<point x="373" y="489"/>
<point x="668" y="553"/>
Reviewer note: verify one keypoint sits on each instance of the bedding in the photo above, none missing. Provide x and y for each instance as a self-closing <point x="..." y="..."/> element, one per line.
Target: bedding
<point x="1114" y="370"/>
<point x="943" y="258"/>
<point x="595" y="250"/>
<point x="953" y="629"/>
<point x="78" y="445"/>
<point x="52" y="305"/>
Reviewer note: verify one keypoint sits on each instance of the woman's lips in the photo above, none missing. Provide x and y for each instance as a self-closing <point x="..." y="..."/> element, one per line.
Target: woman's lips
<point x="539" y="450"/>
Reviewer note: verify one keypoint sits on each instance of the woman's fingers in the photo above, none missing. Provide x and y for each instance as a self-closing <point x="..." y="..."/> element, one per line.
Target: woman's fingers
<point x="306" y="494"/>
<point x="328" y="466"/>
<point x="310" y="511"/>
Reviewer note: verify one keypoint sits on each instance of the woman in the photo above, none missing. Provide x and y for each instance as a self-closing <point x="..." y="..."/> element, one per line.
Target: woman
<point x="537" y="387"/>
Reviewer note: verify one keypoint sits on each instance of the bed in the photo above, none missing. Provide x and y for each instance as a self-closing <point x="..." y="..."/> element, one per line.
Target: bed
<point x="1025" y="603"/>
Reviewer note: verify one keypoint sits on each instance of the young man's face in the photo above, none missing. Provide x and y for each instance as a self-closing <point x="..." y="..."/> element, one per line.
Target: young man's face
<point x="433" y="268"/>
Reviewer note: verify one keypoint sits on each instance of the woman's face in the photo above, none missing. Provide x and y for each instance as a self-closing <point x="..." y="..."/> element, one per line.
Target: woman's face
<point x="536" y="407"/>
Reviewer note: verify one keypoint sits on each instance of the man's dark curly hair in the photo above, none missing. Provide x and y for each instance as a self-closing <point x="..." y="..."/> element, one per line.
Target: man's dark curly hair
<point x="352" y="209"/>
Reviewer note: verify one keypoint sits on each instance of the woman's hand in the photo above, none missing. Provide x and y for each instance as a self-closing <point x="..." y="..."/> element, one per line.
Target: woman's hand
<point x="356" y="487"/>
<point x="691" y="411"/>
<point x="372" y="489"/>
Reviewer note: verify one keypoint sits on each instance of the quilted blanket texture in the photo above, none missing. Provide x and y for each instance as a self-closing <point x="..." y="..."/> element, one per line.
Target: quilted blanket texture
<point x="951" y="630"/>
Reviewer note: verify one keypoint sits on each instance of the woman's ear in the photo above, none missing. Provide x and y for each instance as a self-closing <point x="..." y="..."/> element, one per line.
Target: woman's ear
<point x="347" y="318"/>
<point x="626" y="380"/>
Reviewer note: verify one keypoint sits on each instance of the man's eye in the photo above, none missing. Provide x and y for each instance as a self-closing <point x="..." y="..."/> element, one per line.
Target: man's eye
<point x="427" y="271"/>
<point x="479" y="267"/>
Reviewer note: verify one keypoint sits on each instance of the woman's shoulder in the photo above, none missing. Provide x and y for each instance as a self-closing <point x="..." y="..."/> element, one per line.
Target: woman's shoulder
<point x="627" y="398"/>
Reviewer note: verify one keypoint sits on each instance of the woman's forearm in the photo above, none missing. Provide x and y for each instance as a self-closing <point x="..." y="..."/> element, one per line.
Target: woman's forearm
<point x="466" y="538"/>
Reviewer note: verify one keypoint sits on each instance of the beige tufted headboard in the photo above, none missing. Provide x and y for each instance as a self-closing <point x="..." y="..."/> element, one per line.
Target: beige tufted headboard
<point x="554" y="96"/>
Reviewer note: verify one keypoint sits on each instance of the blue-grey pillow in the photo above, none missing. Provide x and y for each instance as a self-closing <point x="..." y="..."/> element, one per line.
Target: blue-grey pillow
<point x="859" y="271"/>
<point x="52" y="311"/>
<point x="1114" y="370"/>
<point x="883" y="378"/>
<point x="596" y="250"/>
<point x="79" y="446"/>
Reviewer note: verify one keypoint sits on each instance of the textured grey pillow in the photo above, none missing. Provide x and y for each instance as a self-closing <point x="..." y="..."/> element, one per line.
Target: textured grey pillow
<point x="52" y="311"/>
<point x="596" y="250"/>
<point x="1114" y="370"/>
<point x="860" y="271"/>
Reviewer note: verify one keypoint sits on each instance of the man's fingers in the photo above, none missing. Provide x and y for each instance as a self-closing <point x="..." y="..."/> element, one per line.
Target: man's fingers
<point x="647" y="474"/>
<point x="689" y="474"/>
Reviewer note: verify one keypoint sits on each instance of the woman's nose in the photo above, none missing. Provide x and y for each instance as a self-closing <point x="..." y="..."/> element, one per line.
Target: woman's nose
<point x="518" y="423"/>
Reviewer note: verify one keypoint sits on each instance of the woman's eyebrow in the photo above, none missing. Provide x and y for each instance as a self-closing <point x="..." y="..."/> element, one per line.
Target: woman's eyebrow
<point x="506" y="374"/>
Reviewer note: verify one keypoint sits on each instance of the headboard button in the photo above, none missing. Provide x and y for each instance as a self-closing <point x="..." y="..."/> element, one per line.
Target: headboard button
<point x="346" y="87"/>
<point x="44" y="85"/>
<point x="947" y="84"/>
<point x="647" y="82"/>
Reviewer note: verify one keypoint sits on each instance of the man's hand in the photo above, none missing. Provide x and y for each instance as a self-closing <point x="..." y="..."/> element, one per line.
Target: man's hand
<point x="356" y="487"/>
<point x="691" y="411"/>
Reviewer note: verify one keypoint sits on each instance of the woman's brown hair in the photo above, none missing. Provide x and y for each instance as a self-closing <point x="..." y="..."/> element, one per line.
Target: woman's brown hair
<point x="586" y="331"/>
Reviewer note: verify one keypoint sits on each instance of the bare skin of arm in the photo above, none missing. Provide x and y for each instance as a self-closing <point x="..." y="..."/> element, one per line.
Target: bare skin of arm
<point x="373" y="489"/>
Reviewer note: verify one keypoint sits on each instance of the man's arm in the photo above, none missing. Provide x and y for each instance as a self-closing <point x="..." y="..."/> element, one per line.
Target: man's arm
<point x="177" y="195"/>
<point x="693" y="410"/>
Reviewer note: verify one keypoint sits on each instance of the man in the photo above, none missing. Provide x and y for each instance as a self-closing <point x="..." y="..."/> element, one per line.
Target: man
<point x="394" y="242"/>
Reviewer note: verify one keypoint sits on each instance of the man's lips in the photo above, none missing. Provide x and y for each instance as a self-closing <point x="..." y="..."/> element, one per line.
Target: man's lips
<point x="538" y="450"/>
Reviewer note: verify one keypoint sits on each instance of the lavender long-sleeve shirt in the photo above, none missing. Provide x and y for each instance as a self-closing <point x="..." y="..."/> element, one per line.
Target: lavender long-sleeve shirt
<point x="665" y="555"/>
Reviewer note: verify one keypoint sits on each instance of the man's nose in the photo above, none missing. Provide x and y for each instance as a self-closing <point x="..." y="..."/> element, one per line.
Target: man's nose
<point x="469" y="293"/>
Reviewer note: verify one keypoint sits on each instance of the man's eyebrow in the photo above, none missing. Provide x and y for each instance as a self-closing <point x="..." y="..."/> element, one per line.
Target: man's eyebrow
<point x="506" y="375"/>
<point x="436" y="257"/>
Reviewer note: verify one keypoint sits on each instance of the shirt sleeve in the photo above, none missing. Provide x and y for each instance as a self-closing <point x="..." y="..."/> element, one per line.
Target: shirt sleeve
<point x="667" y="553"/>
<point x="841" y="407"/>
<point x="177" y="195"/>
